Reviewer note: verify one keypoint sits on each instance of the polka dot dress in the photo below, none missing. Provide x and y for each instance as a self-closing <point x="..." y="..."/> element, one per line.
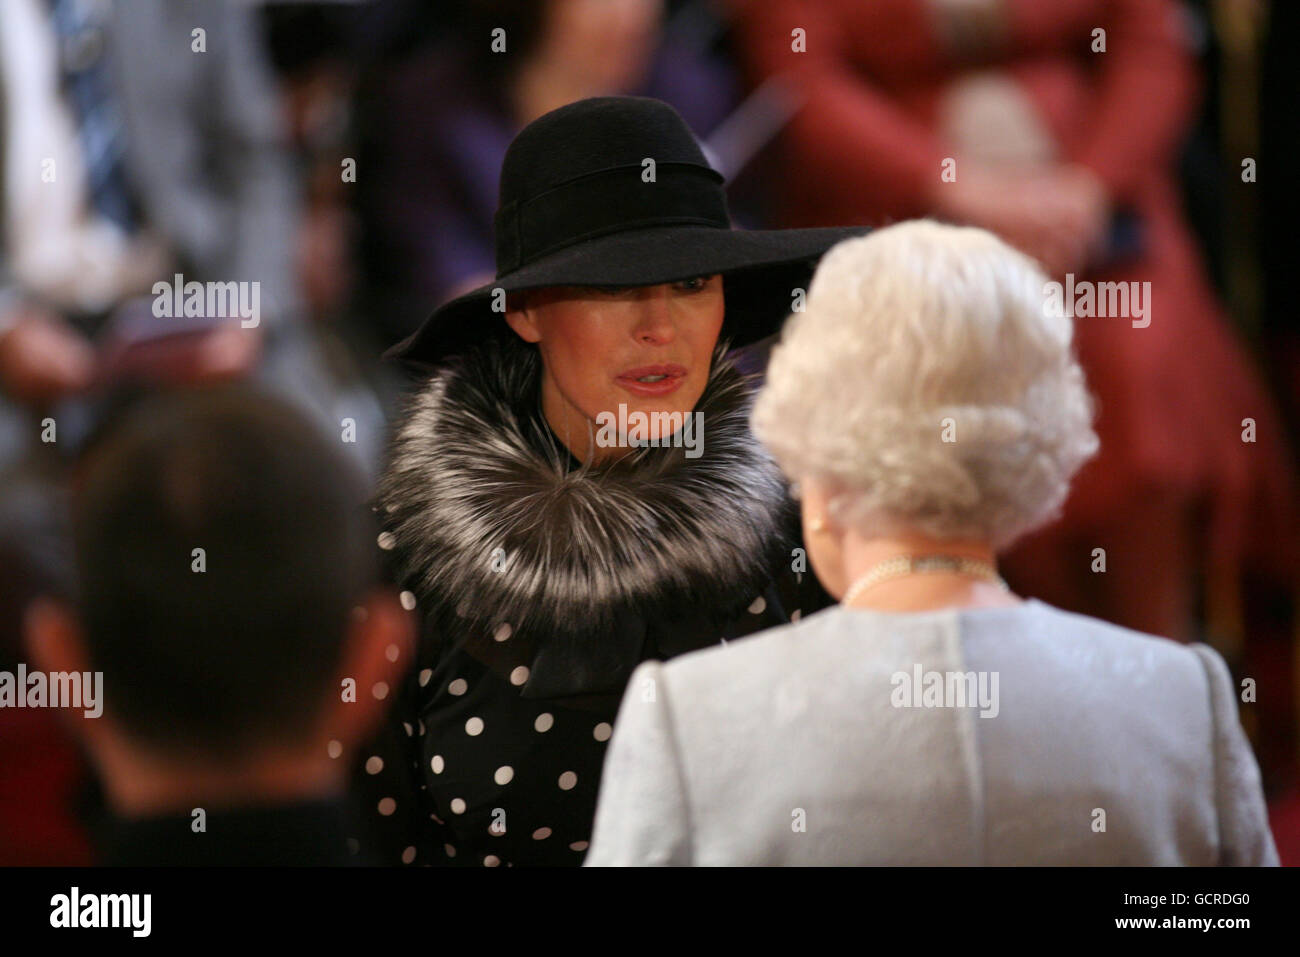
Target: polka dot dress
<point x="474" y="770"/>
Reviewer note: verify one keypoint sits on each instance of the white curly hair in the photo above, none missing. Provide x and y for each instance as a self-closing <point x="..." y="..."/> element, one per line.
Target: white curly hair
<point x="927" y="386"/>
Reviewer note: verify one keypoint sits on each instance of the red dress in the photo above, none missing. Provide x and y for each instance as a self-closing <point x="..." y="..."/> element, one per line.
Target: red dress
<point x="867" y="147"/>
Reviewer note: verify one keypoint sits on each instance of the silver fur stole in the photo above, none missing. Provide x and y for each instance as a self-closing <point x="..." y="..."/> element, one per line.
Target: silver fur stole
<point x="492" y="523"/>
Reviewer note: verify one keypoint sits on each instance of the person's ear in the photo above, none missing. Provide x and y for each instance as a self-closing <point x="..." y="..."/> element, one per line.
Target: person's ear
<point x="377" y="652"/>
<point x="522" y="318"/>
<point x="55" y="642"/>
<point x="814" y="505"/>
<point x="822" y="537"/>
<point x="53" y="636"/>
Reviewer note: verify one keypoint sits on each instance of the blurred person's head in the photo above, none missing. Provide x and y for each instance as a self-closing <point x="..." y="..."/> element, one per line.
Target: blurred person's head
<point x="925" y="394"/>
<point x="228" y="586"/>
<point x="648" y="348"/>
<point x="597" y="46"/>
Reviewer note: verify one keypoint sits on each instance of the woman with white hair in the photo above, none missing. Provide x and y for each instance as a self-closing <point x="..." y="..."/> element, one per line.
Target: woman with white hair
<point x="931" y="410"/>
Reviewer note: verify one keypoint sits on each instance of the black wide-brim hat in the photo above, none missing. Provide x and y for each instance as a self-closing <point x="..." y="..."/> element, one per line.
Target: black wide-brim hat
<point x="615" y="191"/>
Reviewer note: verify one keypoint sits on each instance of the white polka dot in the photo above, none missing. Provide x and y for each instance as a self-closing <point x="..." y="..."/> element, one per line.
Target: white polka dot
<point x="578" y="846"/>
<point x="541" y="834"/>
<point x="392" y="652"/>
<point x="449" y="850"/>
<point x="458" y="687"/>
<point x="408" y="855"/>
<point x="796" y="615"/>
<point x="519" y="675"/>
<point x="380" y="690"/>
<point x="503" y="632"/>
<point x="568" y="781"/>
<point x="425" y="675"/>
<point x="457" y="805"/>
<point x="374" y="764"/>
<point x="436" y="764"/>
<point x="407" y="598"/>
<point x="504" y="775"/>
<point x="386" y="541"/>
<point x="387" y="806"/>
<point x="758" y="605"/>
<point x="544" y="721"/>
<point x="602" y="731"/>
<point x="421" y="728"/>
<point x="474" y="726"/>
<point x="409" y="730"/>
<point x="334" y="749"/>
<point x="491" y="861"/>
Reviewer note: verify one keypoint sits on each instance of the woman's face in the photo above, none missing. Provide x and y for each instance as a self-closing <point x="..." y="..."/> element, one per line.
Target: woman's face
<point x="646" y="348"/>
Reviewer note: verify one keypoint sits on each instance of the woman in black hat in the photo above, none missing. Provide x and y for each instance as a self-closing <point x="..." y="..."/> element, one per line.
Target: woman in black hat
<point x="575" y="489"/>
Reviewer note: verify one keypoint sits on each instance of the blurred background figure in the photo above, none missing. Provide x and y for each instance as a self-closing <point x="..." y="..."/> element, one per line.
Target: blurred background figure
<point x="140" y="141"/>
<point x="1065" y="123"/>
<point x="228" y="589"/>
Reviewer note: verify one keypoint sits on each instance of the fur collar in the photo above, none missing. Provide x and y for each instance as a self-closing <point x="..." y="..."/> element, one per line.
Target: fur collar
<point x="493" y="523"/>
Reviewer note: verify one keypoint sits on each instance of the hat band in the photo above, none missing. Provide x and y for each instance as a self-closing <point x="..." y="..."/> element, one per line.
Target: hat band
<point x="609" y="201"/>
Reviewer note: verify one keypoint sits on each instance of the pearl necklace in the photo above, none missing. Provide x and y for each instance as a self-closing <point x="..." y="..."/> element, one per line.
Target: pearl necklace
<point x="909" y="564"/>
